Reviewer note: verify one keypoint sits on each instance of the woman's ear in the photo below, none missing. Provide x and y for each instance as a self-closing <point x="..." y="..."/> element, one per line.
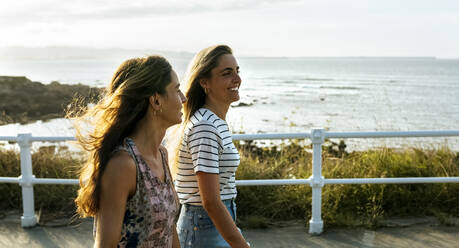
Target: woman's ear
<point x="204" y="83"/>
<point x="155" y="101"/>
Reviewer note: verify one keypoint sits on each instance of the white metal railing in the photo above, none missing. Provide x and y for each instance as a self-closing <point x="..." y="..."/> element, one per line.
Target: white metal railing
<point x="316" y="180"/>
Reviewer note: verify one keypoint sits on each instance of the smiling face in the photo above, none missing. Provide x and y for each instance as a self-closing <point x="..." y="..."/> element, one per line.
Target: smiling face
<point x="223" y="85"/>
<point x="171" y="103"/>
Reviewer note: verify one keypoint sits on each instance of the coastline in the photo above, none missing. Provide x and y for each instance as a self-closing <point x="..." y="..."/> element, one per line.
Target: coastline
<point x="270" y="103"/>
<point x="24" y="101"/>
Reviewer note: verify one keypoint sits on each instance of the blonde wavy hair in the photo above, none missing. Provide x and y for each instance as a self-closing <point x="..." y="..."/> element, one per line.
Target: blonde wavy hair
<point x="103" y="127"/>
<point x="199" y="68"/>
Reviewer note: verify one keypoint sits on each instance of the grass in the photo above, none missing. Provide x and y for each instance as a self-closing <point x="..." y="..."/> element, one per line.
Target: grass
<point x="347" y="205"/>
<point x="258" y="206"/>
<point x="49" y="199"/>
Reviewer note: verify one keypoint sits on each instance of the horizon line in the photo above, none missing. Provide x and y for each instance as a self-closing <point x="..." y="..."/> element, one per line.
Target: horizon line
<point x="248" y="56"/>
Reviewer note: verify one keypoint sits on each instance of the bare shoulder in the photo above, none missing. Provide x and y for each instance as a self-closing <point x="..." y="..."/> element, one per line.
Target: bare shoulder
<point x="121" y="161"/>
<point x="120" y="170"/>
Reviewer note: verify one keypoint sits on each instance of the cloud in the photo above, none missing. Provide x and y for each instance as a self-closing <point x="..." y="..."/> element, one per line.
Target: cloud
<point x="70" y="11"/>
<point x="297" y="27"/>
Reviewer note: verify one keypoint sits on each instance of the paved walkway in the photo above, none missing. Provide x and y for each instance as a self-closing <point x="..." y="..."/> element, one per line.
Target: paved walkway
<point x="404" y="233"/>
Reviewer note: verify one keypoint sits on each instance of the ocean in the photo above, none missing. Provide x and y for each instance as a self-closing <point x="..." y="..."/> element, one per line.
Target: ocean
<point x="297" y="94"/>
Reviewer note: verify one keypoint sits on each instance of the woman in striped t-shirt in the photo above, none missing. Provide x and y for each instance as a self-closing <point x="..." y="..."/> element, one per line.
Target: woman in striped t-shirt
<point x="207" y="158"/>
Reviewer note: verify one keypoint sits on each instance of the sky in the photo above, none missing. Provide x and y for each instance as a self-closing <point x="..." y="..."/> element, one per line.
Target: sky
<point x="250" y="27"/>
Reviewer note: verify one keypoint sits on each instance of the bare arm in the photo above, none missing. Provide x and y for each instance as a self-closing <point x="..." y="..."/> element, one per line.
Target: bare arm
<point x="175" y="241"/>
<point x="118" y="182"/>
<point x="209" y="187"/>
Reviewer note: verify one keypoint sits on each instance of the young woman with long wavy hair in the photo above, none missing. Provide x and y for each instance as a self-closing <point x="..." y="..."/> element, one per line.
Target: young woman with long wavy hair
<point x="126" y="184"/>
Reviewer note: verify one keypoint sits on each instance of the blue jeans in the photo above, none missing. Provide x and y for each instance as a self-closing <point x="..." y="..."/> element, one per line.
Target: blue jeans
<point x="196" y="229"/>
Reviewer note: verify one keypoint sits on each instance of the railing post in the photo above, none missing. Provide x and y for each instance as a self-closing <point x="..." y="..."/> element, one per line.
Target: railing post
<point x="316" y="181"/>
<point x="28" y="218"/>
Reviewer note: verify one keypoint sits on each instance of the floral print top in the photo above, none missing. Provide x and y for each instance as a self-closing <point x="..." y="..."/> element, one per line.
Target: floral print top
<point x="151" y="213"/>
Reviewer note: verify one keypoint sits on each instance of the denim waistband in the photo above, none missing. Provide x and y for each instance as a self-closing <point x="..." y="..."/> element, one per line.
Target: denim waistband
<point x="188" y="207"/>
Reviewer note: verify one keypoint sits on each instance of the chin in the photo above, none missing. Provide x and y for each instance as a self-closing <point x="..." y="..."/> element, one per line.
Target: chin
<point x="235" y="99"/>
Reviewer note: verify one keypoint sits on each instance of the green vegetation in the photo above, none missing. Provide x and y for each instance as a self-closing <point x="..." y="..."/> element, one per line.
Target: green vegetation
<point x="49" y="199"/>
<point x="23" y="101"/>
<point x="258" y="206"/>
<point x="347" y="204"/>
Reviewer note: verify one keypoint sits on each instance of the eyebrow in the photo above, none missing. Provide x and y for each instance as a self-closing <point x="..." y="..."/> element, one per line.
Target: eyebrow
<point x="177" y="86"/>
<point x="229" y="69"/>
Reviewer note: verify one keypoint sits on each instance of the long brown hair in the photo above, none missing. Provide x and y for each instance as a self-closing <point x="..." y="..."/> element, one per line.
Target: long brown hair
<point x="199" y="68"/>
<point x="113" y="118"/>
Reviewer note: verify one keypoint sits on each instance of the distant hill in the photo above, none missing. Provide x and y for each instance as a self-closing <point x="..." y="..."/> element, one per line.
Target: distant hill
<point x="67" y="52"/>
<point x="62" y="52"/>
<point x="22" y="100"/>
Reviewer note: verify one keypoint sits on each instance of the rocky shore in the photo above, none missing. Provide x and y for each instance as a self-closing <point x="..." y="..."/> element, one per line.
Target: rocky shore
<point x="23" y="100"/>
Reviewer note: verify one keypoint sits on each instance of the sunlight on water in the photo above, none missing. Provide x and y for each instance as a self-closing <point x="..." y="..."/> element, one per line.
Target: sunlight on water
<point x="297" y="94"/>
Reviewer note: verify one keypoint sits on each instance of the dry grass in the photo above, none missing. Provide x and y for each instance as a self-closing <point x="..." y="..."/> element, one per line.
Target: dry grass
<point x="260" y="205"/>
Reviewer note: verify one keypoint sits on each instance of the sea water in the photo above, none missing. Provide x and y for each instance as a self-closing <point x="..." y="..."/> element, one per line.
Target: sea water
<point x="297" y="94"/>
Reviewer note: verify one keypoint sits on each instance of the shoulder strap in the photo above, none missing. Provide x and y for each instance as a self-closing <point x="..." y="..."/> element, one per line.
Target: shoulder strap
<point x="120" y="148"/>
<point x="127" y="146"/>
<point x="166" y="167"/>
<point x="165" y="163"/>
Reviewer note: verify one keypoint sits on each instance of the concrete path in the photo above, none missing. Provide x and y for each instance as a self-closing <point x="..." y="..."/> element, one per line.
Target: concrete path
<point x="404" y="233"/>
<point x="416" y="235"/>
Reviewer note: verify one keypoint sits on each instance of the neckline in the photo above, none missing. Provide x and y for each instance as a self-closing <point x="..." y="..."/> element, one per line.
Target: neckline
<point x="211" y="112"/>
<point x="225" y="114"/>
<point x="137" y="154"/>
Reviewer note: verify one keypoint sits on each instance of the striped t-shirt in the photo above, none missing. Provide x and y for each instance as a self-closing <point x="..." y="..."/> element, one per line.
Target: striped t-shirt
<point x="206" y="146"/>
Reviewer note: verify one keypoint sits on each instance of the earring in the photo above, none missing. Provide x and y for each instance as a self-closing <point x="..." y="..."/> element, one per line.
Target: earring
<point x="205" y="90"/>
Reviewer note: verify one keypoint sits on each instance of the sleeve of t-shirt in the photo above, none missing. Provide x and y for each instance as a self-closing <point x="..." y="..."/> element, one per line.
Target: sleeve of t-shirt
<point x="204" y="143"/>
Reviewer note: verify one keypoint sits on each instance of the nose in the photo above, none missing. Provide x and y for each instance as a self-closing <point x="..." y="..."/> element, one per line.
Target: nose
<point x="183" y="97"/>
<point x="237" y="79"/>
